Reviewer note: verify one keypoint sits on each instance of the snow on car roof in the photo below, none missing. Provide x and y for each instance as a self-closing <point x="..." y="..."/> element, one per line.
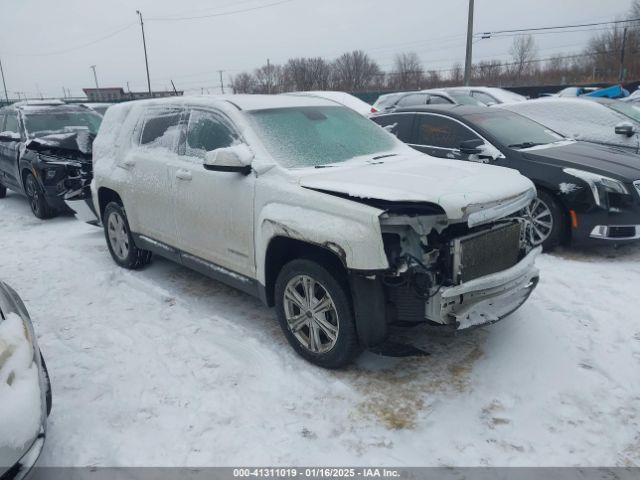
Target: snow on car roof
<point x="243" y="101"/>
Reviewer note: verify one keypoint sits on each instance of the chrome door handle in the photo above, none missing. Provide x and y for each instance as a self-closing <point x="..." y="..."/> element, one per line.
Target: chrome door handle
<point x="183" y="174"/>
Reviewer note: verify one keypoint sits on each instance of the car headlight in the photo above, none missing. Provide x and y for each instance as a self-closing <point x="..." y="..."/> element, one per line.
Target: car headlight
<point x="600" y="185"/>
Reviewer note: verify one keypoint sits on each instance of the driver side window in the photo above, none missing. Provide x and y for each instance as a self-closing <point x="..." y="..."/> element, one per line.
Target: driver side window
<point x="207" y="131"/>
<point x="11" y="123"/>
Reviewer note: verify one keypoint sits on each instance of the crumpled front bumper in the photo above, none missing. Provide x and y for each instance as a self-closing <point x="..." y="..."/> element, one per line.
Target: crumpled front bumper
<point x="486" y="299"/>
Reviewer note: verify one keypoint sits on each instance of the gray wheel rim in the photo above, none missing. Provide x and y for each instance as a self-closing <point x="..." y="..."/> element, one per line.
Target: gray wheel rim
<point x="118" y="237"/>
<point x="540" y="220"/>
<point x="33" y="194"/>
<point x="311" y="314"/>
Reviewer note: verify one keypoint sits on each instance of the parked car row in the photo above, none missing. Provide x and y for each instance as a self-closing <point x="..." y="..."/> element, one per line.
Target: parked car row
<point x="346" y="224"/>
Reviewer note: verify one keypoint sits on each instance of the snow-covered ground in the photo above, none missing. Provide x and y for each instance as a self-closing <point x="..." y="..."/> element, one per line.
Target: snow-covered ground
<point x="166" y="367"/>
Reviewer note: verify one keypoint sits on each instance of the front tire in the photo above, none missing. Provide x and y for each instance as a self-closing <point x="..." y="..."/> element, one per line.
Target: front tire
<point x="548" y="226"/>
<point x="119" y="239"/>
<point x="314" y="309"/>
<point x="37" y="200"/>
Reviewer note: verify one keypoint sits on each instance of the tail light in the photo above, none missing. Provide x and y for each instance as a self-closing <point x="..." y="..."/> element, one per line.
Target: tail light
<point x="374" y="110"/>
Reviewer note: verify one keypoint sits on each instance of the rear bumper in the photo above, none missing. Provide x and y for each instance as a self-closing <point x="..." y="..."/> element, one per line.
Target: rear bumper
<point x="486" y="299"/>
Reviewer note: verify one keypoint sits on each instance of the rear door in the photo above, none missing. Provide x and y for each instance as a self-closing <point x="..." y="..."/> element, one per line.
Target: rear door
<point x="150" y="199"/>
<point x="214" y="210"/>
<point x="9" y="150"/>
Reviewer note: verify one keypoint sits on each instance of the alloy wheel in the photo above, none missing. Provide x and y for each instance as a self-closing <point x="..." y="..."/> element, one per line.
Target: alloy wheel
<point x="540" y="219"/>
<point x="311" y="314"/>
<point x="33" y="193"/>
<point x="118" y="236"/>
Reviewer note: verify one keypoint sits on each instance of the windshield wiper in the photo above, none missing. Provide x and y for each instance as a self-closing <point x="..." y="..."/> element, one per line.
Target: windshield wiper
<point x="525" y="145"/>
<point x="385" y="156"/>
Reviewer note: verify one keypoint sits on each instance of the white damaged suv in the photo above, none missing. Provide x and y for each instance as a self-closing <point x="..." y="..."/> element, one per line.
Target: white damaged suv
<point x="317" y="211"/>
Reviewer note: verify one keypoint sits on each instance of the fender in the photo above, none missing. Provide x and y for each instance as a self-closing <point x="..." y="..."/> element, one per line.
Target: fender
<point x="356" y="239"/>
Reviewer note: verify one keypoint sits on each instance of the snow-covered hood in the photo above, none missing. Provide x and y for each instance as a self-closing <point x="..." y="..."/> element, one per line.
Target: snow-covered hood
<point x="458" y="187"/>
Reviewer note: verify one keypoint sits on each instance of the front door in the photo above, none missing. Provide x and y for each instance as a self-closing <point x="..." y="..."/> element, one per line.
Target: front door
<point x="214" y="210"/>
<point x="441" y="136"/>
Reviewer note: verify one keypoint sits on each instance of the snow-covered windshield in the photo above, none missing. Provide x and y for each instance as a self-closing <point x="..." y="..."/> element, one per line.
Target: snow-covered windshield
<point x="47" y="121"/>
<point x="312" y="136"/>
<point x="627" y="109"/>
<point x="513" y="130"/>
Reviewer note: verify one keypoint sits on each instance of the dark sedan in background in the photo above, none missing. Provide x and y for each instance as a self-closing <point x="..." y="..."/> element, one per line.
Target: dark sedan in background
<point x="586" y="192"/>
<point x="45" y="153"/>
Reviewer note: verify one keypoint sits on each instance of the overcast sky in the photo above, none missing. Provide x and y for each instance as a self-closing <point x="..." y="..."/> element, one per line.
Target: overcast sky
<point x="40" y="39"/>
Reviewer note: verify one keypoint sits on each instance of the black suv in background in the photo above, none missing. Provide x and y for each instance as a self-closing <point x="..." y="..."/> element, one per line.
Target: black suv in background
<point x="45" y="152"/>
<point x="586" y="192"/>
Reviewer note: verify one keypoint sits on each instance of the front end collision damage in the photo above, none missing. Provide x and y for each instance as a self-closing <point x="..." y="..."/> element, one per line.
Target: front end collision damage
<point x="64" y="171"/>
<point x="429" y="280"/>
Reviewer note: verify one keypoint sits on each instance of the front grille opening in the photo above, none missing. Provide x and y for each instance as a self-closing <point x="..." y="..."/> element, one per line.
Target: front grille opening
<point x="487" y="252"/>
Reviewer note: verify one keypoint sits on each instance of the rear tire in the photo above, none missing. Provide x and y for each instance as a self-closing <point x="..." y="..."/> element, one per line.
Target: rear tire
<point x="548" y="221"/>
<point x="119" y="239"/>
<point x="37" y="200"/>
<point x="314" y="309"/>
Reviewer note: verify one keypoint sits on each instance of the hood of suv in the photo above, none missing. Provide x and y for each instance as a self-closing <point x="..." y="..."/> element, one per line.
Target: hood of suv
<point x="458" y="187"/>
<point x="610" y="161"/>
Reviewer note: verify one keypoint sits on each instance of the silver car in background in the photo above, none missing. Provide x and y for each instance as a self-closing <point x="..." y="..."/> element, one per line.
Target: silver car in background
<point x="25" y="389"/>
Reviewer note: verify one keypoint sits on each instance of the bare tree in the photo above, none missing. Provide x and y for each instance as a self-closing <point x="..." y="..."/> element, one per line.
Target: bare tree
<point x="457" y="75"/>
<point x="354" y="71"/>
<point x="407" y="72"/>
<point x="523" y="52"/>
<point x="307" y="74"/>
<point x="243" y="83"/>
<point x="269" y="79"/>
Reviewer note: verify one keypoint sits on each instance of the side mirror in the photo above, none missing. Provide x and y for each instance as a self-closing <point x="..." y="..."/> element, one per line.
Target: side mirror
<point x="236" y="158"/>
<point x="471" y="147"/>
<point x="625" y="128"/>
<point x="9" y="137"/>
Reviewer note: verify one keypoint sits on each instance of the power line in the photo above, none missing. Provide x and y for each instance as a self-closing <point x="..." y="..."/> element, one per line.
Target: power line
<point x="61" y="52"/>
<point x="220" y="14"/>
<point x="557" y="27"/>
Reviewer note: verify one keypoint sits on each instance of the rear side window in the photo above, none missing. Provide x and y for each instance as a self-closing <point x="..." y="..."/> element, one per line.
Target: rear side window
<point x="161" y="129"/>
<point x="438" y="100"/>
<point x="413" y="99"/>
<point x="441" y="132"/>
<point x="207" y="131"/>
<point x="483" y="97"/>
<point x="400" y="125"/>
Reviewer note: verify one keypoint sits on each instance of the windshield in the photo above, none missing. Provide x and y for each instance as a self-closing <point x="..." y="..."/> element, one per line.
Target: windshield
<point x="312" y="136"/>
<point x="50" y="121"/>
<point x="513" y="130"/>
<point x="386" y="100"/>
<point x="627" y="109"/>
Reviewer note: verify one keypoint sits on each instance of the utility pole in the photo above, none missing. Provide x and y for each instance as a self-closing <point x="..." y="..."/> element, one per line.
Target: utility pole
<point x="95" y="76"/>
<point x="624" y="41"/>
<point x="221" y="82"/>
<point x="467" y="61"/>
<point x="144" y="45"/>
<point x="6" y="95"/>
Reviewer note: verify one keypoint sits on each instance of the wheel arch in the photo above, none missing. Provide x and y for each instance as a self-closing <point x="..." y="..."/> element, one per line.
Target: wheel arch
<point x="105" y="196"/>
<point x="282" y="249"/>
